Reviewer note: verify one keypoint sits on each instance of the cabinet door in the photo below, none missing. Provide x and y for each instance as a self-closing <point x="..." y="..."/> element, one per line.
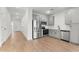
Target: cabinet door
<point x="56" y="33"/>
<point x="75" y="15"/>
<point x="67" y="18"/>
<point x="51" y="20"/>
<point x="72" y="15"/>
<point x="51" y="32"/>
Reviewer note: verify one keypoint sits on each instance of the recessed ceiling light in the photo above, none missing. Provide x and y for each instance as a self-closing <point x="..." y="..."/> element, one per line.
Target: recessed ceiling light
<point x="48" y="12"/>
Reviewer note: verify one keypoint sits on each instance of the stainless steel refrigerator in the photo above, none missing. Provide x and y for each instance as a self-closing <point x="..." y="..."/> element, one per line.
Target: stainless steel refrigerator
<point x="36" y="28"/>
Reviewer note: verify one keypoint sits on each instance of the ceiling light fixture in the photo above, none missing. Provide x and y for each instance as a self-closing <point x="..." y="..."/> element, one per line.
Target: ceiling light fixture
<point x="48" y="12"/>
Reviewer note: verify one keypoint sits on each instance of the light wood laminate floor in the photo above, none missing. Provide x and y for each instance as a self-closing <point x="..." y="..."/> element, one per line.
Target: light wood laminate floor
<point x="44" y="44"/>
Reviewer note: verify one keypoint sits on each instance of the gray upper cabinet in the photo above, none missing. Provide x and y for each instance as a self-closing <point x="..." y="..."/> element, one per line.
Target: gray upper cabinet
<point x="50" y="20"/>
<point x="75" y="15"/>
<point x="72" y="16"/>
<point x="67" y="18"/>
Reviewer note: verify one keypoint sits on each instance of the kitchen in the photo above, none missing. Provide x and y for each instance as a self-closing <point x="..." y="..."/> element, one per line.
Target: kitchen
<point x="56" y="22"/>
<point x="41" y="28"/>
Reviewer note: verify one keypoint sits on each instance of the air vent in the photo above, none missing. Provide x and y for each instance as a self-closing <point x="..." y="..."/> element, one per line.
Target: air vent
<point x="51" y="9"/>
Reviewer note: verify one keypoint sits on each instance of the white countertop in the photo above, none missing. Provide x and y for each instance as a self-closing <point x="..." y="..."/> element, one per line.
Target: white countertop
<point x="53" y="27"/>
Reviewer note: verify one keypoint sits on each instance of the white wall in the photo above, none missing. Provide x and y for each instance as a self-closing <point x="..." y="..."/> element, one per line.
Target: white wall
<point x="60" y="20"/>
<point x="17" y="25"/>
<point x="5" y="27"/>
<point x="27" y="24"/>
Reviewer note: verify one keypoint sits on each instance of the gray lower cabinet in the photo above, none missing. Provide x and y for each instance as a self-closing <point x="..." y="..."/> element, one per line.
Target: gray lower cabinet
<point x="51" y="32"/>
<point x="65" y="35"/>
<point x="54" y="33"/>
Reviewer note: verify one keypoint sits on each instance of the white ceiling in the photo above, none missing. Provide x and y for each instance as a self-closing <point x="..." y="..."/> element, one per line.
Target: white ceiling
<point x="45" y="9"/>
<point x="19" y="12"/>
<point x="16" y="13"/>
